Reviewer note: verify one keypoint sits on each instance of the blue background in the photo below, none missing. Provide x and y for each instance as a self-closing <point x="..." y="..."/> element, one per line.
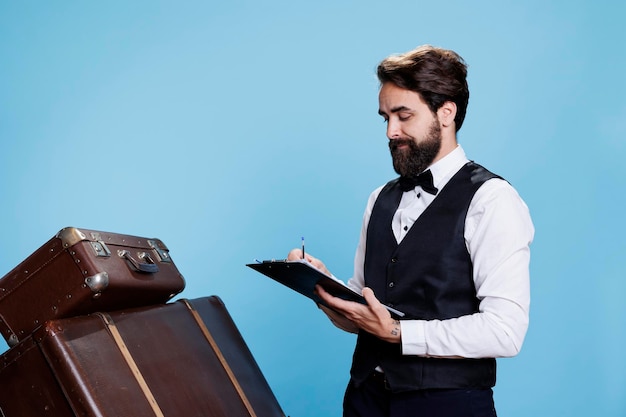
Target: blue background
<point x="231" y="129"/>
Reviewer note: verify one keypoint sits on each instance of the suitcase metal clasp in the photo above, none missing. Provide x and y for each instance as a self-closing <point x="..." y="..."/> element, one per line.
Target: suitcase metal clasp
<point x="164" y="255"/>
<point x="101" y="249"/>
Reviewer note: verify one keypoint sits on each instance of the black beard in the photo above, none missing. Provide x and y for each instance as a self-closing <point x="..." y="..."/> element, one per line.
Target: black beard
<point x="418" y="156"/>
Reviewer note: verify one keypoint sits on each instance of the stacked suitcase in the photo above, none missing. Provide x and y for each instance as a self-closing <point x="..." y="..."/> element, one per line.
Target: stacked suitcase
<point x="92" y="334"/>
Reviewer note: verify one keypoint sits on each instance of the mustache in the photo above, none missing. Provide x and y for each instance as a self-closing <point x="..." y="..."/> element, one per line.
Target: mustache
<point x="395" y="143"/>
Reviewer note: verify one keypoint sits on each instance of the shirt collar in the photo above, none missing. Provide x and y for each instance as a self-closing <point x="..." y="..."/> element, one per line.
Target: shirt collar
<point x="446" y="167"/>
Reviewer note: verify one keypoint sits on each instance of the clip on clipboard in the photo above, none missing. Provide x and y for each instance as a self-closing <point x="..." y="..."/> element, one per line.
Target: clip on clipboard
<point x="302" y="277"/>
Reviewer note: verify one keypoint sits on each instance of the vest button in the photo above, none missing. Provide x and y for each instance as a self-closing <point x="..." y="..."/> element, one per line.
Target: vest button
<point x="391" y="284"/>
<point x="394" y="259"/>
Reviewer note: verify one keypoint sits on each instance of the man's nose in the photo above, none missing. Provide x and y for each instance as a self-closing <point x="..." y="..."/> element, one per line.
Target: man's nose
<point x="393" y="130"/>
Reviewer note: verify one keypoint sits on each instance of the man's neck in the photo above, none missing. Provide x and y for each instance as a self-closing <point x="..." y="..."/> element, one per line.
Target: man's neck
<point x="447" y="146"/>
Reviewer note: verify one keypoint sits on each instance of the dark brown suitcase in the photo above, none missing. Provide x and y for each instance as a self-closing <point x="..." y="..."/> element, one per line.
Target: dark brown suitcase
<point x="82" y="271"/>
<point x="185" y="358"/>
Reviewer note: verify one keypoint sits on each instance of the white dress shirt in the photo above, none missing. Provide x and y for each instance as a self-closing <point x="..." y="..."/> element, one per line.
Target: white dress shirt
<point x="498" y="232"/>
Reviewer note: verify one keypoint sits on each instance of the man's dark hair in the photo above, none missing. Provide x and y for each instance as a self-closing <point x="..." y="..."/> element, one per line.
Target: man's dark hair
<point x="437" y="75"/>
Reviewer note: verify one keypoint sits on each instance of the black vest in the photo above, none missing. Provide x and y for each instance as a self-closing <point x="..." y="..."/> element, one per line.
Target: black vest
<point x="427" y="276"/>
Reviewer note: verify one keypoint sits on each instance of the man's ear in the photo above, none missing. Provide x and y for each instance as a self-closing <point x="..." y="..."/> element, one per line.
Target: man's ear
<point x="447" y="113"/>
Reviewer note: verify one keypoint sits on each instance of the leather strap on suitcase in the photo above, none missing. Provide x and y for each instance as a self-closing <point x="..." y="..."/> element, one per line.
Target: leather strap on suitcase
<point x="218" y="352"/>
<point x="119" y="341"/>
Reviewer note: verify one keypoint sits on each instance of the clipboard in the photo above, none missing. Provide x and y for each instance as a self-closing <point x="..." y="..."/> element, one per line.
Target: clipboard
<point x="302" y="277"/>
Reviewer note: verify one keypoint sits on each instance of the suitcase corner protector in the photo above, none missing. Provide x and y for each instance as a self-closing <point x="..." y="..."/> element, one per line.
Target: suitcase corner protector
<point x="70" y="236"/>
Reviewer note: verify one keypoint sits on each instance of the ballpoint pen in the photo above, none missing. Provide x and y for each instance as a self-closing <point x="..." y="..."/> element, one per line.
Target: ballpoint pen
<point x="302" y="247"/>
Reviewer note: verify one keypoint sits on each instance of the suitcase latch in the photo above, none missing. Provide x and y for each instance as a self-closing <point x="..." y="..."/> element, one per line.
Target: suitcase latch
<point x="101" y="249"/>
<point x="164" y="255"/>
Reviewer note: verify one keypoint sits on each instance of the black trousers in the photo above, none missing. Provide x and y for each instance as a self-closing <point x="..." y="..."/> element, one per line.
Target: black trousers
<point x="374" y="399"/>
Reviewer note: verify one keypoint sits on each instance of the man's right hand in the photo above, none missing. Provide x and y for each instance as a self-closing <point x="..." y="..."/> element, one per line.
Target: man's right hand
<point x="296" y="254"/>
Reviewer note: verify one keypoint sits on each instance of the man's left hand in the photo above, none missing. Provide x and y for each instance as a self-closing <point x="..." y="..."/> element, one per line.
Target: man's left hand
<point x="374" y="318"/>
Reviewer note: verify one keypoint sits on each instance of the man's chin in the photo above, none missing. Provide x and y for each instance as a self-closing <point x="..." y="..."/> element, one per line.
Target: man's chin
<point x="401" y="151"/>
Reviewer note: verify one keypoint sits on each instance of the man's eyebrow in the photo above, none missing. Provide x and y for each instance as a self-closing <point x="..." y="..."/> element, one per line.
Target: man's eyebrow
<point x="394" y="110"/>
<point x="399" y="108"/>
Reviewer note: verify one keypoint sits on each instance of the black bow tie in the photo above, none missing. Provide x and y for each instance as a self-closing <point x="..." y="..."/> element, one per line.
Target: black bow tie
<point x="424" y="180"/>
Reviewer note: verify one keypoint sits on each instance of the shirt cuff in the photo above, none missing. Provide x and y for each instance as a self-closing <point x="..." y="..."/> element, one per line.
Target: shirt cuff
<point x="413" y="337"/>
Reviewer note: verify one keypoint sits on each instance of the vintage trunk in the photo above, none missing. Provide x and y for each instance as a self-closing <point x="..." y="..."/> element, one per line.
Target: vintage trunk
<point x="82" y="271"/>
<point x="185" y="358"/>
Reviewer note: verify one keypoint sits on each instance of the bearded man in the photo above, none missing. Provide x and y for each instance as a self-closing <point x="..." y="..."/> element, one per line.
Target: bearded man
<point x="446" y="243"/>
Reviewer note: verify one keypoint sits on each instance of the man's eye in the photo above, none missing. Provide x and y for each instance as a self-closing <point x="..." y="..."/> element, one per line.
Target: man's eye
<point x="404" y="118"/>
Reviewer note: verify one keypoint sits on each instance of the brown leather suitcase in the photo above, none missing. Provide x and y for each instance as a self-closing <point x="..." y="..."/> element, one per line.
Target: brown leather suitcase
<point x="81" y="271"/>
<point x="185" y="358"/>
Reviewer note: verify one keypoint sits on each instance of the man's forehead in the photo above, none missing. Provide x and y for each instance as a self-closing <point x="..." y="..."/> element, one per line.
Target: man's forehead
<point x="393" y="99"/>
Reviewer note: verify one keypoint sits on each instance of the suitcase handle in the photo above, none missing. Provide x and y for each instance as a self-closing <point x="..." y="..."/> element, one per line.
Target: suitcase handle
<point x="146" y="268"/>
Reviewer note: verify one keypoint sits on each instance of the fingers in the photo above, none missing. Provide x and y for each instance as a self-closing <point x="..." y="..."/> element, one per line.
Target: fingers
<point x="336" y="303"/>
<point x="372" y="301"/>
<point x="294" y="254"/>
<point x="350" y="309"/>
<point x="318" y="264"/>
<point x="329" y="299"/>
<point x="369" y="296"/>
<point x="373" y="317"/>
